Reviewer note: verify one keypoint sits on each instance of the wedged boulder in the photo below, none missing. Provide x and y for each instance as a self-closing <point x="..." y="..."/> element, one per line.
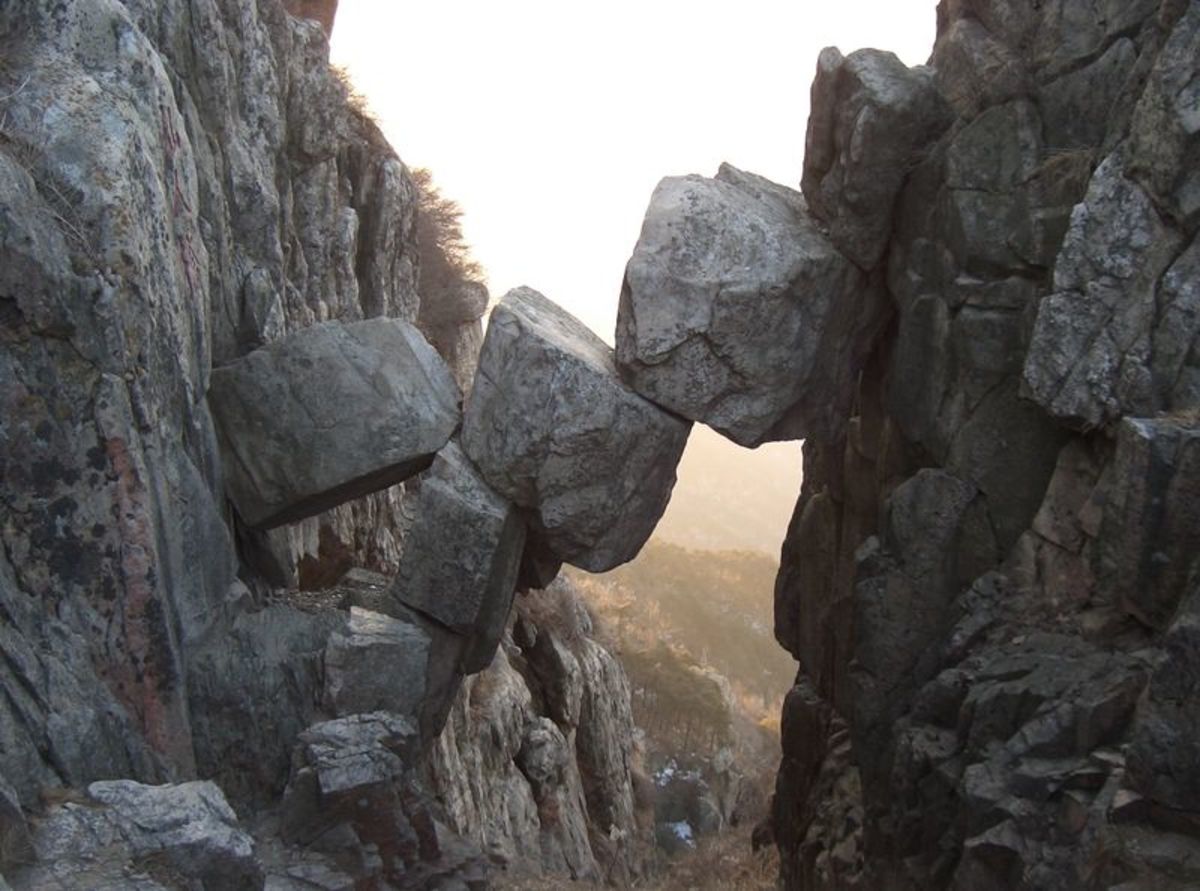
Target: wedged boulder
<point x="736" y="311"/>
<point x="406" y="665"/>
<point x="871" y="117"/>
<point x="461" y="556"/>
<point x="552" y="427"/>
<point x="328" y="414"/>
<point x="188" y="829"/>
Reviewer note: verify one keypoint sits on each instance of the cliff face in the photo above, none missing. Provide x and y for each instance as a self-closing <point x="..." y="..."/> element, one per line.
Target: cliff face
<point x="989" y="579"/>
<point x="182" y="183"/>
<point x="537" y="763"/>
<point x="982" y="314"/>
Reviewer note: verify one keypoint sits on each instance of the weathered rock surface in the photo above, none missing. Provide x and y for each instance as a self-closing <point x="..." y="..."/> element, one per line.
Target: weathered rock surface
<point x="16" y="846"/>
<point x="352" y="797"/>
<point x="252" y="690"/>
<point x="1151" y="518"/>
<point x="536" y="762"/>
<point x="328" y="414"/>
<point x="462" y="556"/>
<point x="180" y="184"/>
<point x="1166" y="743"/>
<point x="376" y="664"/>
<point x="170" y="199"/>
<point x="989" y="577"/>
<point x="183" y="836"/>
<point x="1090" y="357"/>
<point x="738" y="312"/>
<point x="871" y="116"/>
<point x="825" y="819"/>
<point x="551" y="427"/>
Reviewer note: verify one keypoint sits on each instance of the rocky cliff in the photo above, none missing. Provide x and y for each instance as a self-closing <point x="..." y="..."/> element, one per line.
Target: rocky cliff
<point x="990" y="578"/>
<point x="180" y="184"/>
<point x="538" y="762"/>
<point x="980" y="312"/>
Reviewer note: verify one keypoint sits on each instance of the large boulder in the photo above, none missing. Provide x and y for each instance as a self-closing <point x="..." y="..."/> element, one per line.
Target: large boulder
<point x="871" y="118"/>
<point x="730" y="297"/>
<point x="328" y="414"/>
<point x="551" y="427"/>
<point x="409" y="666"/>
<point x="461" y="556"/>
<point x="188" y="831"/>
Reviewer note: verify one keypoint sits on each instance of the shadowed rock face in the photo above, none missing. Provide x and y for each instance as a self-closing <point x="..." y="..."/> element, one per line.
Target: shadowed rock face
<point x="871" y="118"/>
<point x="988" y="579"/>
<point x="328" y="414"/>
<point x="552" y="427"/>
<point x="461" y="556"/>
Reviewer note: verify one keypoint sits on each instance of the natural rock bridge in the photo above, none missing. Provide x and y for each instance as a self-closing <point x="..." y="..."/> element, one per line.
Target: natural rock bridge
<point x="566" y="451"/>
<point x="982" y="315"/>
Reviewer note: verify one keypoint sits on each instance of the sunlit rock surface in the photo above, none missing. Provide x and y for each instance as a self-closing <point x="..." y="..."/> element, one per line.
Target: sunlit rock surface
<point x="538" y="759"/>
<point x="552" y="427"/>
<point x="737" y="311"/>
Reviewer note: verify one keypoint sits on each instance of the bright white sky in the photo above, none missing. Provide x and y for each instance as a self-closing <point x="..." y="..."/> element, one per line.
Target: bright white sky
<point x="551" y="121"/>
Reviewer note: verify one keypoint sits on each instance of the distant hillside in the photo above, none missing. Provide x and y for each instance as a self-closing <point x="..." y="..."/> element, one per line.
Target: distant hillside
<point x="715" y="605"/>
<point x="731" y="498"/>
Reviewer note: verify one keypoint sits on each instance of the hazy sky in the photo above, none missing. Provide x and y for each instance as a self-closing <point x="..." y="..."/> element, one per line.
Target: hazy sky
<point x="551" y="121"/>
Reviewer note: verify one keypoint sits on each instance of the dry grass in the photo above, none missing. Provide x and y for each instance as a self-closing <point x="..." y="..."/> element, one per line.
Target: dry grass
<point x="723" y="863"/>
